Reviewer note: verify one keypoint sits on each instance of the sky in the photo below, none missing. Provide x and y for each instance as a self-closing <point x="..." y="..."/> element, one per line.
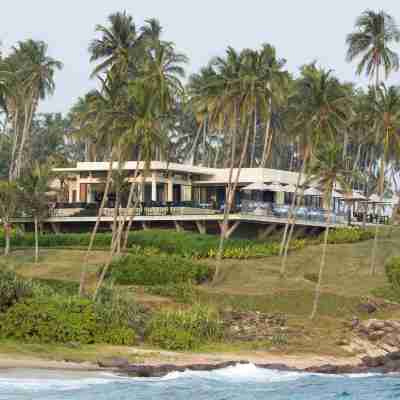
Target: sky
<point x="301" y="31"/>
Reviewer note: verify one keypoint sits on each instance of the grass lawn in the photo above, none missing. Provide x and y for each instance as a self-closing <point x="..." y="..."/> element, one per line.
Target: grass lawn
<point x="256" y="285"/>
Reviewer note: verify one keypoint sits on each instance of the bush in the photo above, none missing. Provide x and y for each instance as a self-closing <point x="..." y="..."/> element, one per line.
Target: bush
<point x="158" y="270"/>
<point x="349" y="235"/>
<point x="184" y="329"/>
<point x="392" y="269"/>
<point x="13" y="289"/>
<point x="183" y="292"/>
<point x="62" y="320"/>
<point x="156" y="242"/>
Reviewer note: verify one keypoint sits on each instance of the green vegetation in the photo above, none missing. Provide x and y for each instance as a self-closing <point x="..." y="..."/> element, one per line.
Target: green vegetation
<point x="61" y="320"/>
<point x="349" y="235"/>
<point x="158" y="270"/>
<point x="184" y="329"/>
<point x="155" y="242"/>
<point x="392" y="268"/>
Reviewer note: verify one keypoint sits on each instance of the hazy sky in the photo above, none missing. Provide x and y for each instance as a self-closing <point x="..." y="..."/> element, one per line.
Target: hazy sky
<point x="301" y="31"/>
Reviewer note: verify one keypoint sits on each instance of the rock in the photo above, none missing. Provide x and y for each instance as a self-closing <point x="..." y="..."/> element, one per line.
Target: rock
<point x="392" y="340"/>
<point x="373" y="362"/>
<point x="376" y="335"/>
<point x="73" y="345"/>
<point x="368" y="308"/>
<point x="114" y="362"/>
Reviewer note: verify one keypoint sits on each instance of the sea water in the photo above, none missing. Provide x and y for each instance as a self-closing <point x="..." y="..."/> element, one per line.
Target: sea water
<point x="244" y="382"/>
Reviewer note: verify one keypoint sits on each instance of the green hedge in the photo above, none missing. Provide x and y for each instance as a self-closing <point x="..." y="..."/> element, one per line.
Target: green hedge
<point x="184" y="329"/>
<point x="184" y="244"/>
<point x="349" y="235"/>
<point x="61" y="320"/>
<point x="163" y="269"/>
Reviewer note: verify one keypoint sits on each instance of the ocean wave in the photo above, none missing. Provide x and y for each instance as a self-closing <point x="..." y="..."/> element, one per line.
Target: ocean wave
<point x="240" y="372"/>
<point x="55" y="382"/>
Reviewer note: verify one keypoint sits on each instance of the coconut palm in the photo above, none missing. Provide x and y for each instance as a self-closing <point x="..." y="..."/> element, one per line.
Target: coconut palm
<point x="113" y="49"/>
<point x="374" y="32"/>
<point x="28" y="74"/>
<point x="328" y="169"/>
<point x="387" y="113"/>
<point x="319" y="108"/>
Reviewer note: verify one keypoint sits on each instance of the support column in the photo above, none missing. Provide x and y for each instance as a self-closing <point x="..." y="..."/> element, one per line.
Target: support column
<point x="70" y="192"/>
<point x="178" y="226"/>
<point x="201" y="226"/>
<point x="280" y="198"/>
<point x="78" y="188"/>
<point x="170" y="189"/>
<point x="264" y="232"/>
<point x="153" y="187"/>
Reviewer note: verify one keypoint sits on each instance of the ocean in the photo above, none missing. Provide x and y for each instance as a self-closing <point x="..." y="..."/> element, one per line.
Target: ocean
<point x="244" y="382"/>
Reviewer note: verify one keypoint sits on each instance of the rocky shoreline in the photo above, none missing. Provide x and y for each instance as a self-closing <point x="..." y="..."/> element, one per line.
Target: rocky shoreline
<point x="389" y="363"/>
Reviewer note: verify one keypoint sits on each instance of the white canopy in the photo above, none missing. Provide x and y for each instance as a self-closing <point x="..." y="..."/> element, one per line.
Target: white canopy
<point x="256" y="186"/>
<point x="312" y="192"/>
<point x="275" y="187"/>
<point x="353" y="196"/>
<point x="289" y="188"/>
<point x="374" y="198"/>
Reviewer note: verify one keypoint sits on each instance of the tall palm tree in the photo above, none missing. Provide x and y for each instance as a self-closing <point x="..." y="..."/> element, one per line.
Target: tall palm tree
<point x="113" y="49"/>
<point x="374" y="32"/>
<point x="320" y="109"/>
<point x="387" y="114"/>
<point x="28" y="73"/>
<point x="328" y="169"/>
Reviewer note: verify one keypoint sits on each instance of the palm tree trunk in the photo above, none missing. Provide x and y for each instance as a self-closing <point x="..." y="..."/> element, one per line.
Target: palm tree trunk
<point x="14" y="146"/>
<point x="36" y="222"/>
<point x="96" y="227"/>
<point x="136" y="203"/>
<point x="7" y="238"/>
<point x="29" y="110"/>
<point x="230" y="197"/>
<point x="253" y="145"/>
<point x="266" y="143"/>
<point x="381" y="190"/>
<point x="321" y="271"/>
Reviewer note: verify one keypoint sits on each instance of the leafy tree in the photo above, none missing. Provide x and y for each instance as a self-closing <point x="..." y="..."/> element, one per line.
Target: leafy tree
<point x="34" y="186"/>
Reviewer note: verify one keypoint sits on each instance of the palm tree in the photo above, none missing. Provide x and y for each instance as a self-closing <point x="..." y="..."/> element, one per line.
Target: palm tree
<point x="320" y="108"/>
<point x="34" y="186"/>
<point x="329" y="169"/>
<point x="114" y="48"/>
<point x="374" y="32"/>
<point x="29" y="75"/>
<point x="8" y="207"/>
<point x="387" y="113"/>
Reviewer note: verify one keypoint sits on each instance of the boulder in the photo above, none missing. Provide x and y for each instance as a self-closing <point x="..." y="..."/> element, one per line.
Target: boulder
<point x="115" y="362"/>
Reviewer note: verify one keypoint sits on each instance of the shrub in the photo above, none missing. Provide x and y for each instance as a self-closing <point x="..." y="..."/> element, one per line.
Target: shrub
<point x="13" y="289"/>
<point x="184" y="329"/>
<point x="183" y="292"/>
<point x="158" y="270"/>
<point x="61" y="320"/>
<point x="392" y="269"/>
<point x="349" y="235"/>
<point x="156" y="242"/>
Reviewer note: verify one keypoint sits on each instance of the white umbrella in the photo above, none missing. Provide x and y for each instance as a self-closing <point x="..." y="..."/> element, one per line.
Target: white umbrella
<point x="312" y="192"/>
<point x="256" y="186"/>
<point x="289" y="188"/>
<point x="354" y="196"/>
<point x="374" y="198"/>
<point x="275" y="187"/>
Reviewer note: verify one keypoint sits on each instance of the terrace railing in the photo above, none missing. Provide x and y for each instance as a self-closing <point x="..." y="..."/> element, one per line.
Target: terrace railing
<point x="311" y="214"/>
